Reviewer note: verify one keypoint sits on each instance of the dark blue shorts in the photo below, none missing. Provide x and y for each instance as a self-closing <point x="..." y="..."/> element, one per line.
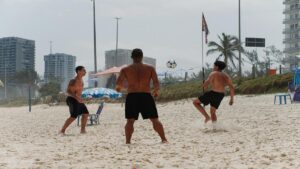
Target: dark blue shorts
<point x="75" y="107"/>
<point x="140" y="103"/>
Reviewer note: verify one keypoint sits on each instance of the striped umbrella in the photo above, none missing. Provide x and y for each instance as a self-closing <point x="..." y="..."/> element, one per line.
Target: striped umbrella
<point x="100" y="92"/>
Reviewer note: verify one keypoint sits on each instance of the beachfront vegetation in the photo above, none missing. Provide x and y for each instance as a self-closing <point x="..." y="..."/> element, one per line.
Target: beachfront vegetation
<point x="50" y="89"/>
<point x="261" y="85"/>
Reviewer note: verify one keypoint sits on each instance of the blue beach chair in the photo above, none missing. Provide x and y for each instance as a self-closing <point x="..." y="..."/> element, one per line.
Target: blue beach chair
<point x="93" y="118"/>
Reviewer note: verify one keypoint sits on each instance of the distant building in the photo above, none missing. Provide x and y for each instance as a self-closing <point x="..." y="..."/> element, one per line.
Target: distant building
<point x="292" y="28"/>
<point x="291" y="62"/>
<point x="59" y="67"/>
<point x="16" y="54"/>
<point x="123" y="57"/>
<point x="101" y="81"/>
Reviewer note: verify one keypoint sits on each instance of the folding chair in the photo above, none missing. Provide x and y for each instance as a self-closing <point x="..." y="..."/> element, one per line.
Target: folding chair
<point x="93" y="118"/>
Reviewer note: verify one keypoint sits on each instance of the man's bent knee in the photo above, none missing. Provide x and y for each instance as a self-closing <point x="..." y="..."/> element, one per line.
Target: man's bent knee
<point x="155" y="121"/>
<point x="72" y="118"/>
<point x="130" y="121"/>
<point x="197" y="101"/>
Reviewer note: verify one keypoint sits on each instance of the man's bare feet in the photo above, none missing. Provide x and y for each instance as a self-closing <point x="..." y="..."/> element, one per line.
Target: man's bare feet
<point x="61" y="133"/>
<point x="207" y="120"/>
<point x="164" y="142"/>
<point x="128" y="143"/>
<point x="82" y="132"/>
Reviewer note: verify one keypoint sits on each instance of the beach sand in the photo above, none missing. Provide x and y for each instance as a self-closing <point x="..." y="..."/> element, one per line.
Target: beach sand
<point x="253" y="133"/>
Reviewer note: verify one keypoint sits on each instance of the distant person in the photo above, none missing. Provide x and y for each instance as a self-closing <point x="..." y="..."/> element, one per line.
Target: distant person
<point x="218" y="81"/>
<point x="139" y="98"/>
<point x="75" y="102"/>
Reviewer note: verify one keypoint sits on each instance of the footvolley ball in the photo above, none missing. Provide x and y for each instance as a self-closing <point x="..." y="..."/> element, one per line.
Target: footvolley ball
<point x="171" y="64"/>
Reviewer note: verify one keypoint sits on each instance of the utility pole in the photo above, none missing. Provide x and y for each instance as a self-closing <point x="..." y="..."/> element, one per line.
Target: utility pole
<point x="5" y="81"/>
<point x="95" y="48"/>
<point x="240" y="44"/>
<point x="50" y="47"/>
<point x="117" y="36"/>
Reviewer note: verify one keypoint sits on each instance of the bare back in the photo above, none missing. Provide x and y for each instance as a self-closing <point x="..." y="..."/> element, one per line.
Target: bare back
<point x="139" y="77"/>
<point x="218" y="81"/>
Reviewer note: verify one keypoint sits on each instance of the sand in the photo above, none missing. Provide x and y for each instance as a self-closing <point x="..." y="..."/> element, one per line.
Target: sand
<point x="253" y="133"/>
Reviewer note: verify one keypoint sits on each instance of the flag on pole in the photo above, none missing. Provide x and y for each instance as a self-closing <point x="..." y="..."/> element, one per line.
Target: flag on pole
<point x="204" y="27"/>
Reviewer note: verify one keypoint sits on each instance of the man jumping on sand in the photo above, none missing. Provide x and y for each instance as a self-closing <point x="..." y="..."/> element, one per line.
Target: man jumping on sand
<point x="75" y="102"/>
<point x="139" y="99"/>
<point x="218" y="81"/>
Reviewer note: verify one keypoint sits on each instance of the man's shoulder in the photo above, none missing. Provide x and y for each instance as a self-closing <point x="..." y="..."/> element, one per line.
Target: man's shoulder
<point x="75" y="80"/>
<point x="143" y="65"/>
<point x="148" y="66"/>
<point x="126" y="68"/>
<point x="225" y="74"/>
<point x="213" y="73"/>
<point x="72" y="80"/>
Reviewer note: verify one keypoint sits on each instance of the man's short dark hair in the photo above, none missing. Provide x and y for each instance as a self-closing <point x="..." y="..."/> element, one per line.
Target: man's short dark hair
<point x="78" y="68"/>
<point x="221" y="65"/>
<point x="136" y="53"/>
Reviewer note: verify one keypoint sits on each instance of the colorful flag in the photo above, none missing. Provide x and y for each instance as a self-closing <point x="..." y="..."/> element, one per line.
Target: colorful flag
<point x="204" y="27"/>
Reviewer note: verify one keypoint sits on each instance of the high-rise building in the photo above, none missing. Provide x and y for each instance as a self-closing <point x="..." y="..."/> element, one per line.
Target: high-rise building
<point x="292" y="28"/>
<point x="123" y="57"/>
<point x="16" y="54"/>
<point x="59" y="67"/>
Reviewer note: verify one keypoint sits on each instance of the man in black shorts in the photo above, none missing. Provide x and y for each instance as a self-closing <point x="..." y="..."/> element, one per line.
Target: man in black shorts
<point x="75" y="102"/>
<point x="218" y="81"/>
<point x="139" y="98"/>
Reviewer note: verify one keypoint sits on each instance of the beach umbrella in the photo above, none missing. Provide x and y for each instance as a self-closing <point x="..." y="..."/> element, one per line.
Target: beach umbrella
<point x="100" y="92"/>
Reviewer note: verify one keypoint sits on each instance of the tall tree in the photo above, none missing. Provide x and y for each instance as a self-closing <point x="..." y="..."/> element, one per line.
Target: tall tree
<point x="274" y="54"/>
<point x="50" y="89"/>
<point x="26" y="77"/>
<point x="226" y="48"/>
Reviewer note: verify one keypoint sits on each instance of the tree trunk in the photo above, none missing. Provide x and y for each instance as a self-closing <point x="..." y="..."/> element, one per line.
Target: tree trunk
<point x="226" y="62"/>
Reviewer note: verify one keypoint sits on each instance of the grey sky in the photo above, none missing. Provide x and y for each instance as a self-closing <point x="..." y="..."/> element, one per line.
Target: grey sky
<point x="164" y="29"/>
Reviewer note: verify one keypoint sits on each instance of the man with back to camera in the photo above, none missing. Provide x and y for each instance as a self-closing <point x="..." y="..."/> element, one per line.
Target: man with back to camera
<point x="218" y="81"/>
<point x="139" y="98"/>
<point x="75" y="102"/>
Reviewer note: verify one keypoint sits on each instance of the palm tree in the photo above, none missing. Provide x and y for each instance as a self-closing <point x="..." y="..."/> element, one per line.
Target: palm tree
<point x="226" y="48"/>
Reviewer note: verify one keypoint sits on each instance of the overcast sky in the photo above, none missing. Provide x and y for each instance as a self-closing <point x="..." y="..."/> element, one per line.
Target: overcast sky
<point x="164" y="29"/>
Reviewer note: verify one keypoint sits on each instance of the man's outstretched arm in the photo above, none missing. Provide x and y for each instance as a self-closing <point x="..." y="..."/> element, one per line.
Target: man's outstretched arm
<point x="231" y="88"/>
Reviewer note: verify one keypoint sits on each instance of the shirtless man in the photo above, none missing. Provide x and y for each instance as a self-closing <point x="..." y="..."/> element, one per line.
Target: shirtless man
<point x="218" y="81"/>
<point x="139" y="99"/>
<point x="75" y="102"/>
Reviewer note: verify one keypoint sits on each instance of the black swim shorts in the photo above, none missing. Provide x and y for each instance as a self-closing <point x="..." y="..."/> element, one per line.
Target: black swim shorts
<point x="75" y="107"/>
<point x="140" y="103"/>
<point x="213" y="98"/>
